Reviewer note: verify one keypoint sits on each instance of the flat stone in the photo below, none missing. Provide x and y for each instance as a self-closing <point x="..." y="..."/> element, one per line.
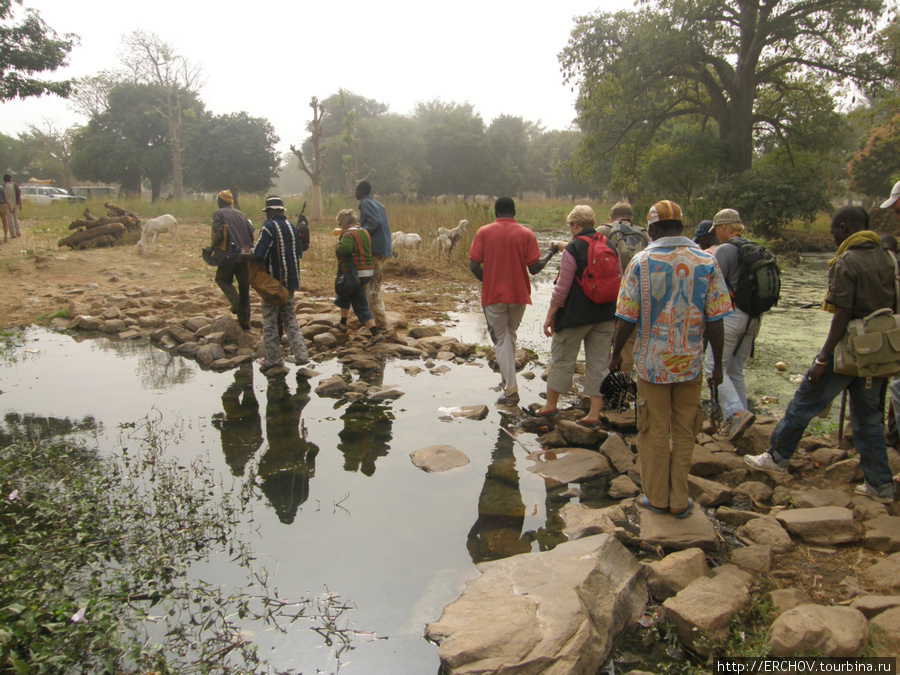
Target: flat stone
<point x="735" y="517"/>
<point x="845" y="471"/>
<point x="765" y="530"/>
<point x="703" y="610"/>
<point x="579" y="436"/>
<point x="552" y="439"/>
<point x="419" y="332"/>
<point x="756" y="557"/>
<point x="470" y="412"/>
<point x="324" y="340"/>
<point x="811" y="499"/>
<point x="675" y="572"/>
<point x="885" y="574"/>
<point x="830" y="631"/>
<point x="812" y="443"/>
<point x="873" y="605"/>
<point x="438" y="458"/>
<point x="824" y="525"/>
<point x="571" y="465"/>
<point x="206" y="354"/>
<point x="708" y="493"/>
<point x="755" y="490"/>
<point x="784" y="599"/>
<point x="887" y="625"/>
<point x="619" y="454"/>
<point x="195" y="323"/>
<point x="825" y="457"/>
<point x="581" y="521"/>
<point x="621" y="487"/>
<point x="882" y="534"/>
<point x="705" y="462"/>
<point x="672" y="533"/>
<point x="385" y="394"/>
<point x="558" y="611"/>
<point x="332" y="386"/>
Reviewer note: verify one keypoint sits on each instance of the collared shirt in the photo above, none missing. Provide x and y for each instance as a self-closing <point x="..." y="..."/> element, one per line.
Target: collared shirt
<point x="671" y="289"/>
<point x="862" y="280"/>
<point x="373" y="219"/>
<point x="280" y="248"/>
<point x="506" y="249"/>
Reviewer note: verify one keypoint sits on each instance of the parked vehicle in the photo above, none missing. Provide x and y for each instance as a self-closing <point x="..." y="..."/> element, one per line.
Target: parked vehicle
<point x="41" y="195"/>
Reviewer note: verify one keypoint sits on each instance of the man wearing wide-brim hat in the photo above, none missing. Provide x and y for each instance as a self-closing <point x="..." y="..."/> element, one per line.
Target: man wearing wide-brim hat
<point x="280" y="248"/>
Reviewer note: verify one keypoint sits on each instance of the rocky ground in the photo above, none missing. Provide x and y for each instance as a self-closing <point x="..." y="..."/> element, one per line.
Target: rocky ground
<point x="827" y="561"/>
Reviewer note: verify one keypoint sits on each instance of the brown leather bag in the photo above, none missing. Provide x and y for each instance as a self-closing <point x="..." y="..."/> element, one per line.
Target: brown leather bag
<point x="272" y="291"/>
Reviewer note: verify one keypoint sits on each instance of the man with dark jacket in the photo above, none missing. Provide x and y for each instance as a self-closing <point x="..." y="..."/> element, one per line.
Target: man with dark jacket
<point x="233" y="232"/>
<point x="861" y="280"/>
<point x="373" y="219"/>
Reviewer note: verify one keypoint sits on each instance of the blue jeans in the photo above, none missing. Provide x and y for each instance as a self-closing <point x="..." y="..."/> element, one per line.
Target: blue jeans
<point x="357" y="301"/>
<point x="865" y="420"/>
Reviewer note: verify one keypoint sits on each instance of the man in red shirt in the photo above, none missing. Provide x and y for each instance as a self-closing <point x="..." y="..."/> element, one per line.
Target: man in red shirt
<point x="502" y="255"/>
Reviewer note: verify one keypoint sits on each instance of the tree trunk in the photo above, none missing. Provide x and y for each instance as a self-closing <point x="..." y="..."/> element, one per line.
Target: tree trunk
<point x="115" y="230"/>
<point x="315" y="207"/>
<point x="235" y="193"/>
<point x="175" y="129"/>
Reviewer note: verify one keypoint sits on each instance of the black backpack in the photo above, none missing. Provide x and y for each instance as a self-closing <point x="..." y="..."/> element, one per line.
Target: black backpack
<point x="759" y="283"/>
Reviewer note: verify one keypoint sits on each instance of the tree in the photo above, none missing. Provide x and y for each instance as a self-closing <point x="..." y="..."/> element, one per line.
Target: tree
<point x="127" y="141"/>
<point x="235" y="151"/>
<point x="48" y="153"/>
<point x="393" y="145"/>
<point x="12" y="155"/>
<point x="318" y="155"/>
<point x="507" y="141"/>
<point x="456" y="152"/>
<point x="153" y="61"/>
<point x="29" y="48"/>
<point x="746" y="64"/>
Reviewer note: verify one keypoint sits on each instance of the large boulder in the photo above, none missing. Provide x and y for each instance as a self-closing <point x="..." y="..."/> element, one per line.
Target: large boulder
<point x="556" y="612"/>
<point x="830" y="631"/>
<point x="695" y="531"/>
<point x="882" y="534"/>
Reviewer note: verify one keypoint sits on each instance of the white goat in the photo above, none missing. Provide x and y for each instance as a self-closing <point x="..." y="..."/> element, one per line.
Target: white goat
<point x="410" y="240"/>
<point x="153" y="228"/>
<point x="443" y="244"/>
<point x="447" y="239"/>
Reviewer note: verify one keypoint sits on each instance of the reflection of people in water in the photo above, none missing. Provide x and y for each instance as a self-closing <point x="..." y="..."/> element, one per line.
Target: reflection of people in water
<point x="497" y="533"/>
<point x="239" y="424"/>
<point x="366" y="436"/>
<point x="289" y="460"/>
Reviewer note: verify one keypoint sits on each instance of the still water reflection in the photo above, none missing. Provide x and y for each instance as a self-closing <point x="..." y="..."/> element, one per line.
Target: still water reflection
<point x="337" y="503"/>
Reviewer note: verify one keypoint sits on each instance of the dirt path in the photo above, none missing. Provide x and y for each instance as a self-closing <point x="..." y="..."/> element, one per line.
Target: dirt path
<point x="40" y="279"/>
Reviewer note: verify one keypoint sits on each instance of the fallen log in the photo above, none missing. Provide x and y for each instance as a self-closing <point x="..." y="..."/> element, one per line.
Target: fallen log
<point x="128" y="221"/>
<point x="102" y="241"/>
<point x="115" y="211"/>
<point x="115" y="230"/>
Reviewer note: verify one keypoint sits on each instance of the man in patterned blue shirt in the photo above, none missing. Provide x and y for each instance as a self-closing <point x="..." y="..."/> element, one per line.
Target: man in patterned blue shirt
<point x="373" y="219"/>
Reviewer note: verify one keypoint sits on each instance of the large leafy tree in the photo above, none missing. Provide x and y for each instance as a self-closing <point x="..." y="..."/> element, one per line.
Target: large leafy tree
<point x="47" y="152"/>
<point x="12" y="155"/>
<point x="154" y="61"/>
<point x="28" y="49"/>
<point x="456" y="153"/>
<point x="748" y="65"/>
<point x="233" y="151"/>
<point x="126" y="142"/>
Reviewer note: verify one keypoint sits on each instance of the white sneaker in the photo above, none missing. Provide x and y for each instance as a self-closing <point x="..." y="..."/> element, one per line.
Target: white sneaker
<point x="765" y="461"/>
<point x="867" y="492"/>
<point x="740" y="422"/>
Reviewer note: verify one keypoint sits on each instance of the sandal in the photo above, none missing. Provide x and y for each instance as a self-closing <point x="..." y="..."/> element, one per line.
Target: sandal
<point x="546" y="413"/>
<point x="686" y="512"/>
<point x="646" y="504"/>
<point x="590" y="424"/>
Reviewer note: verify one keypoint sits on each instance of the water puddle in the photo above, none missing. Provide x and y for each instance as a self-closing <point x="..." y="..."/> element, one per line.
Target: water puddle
<point x="337" y="501"/>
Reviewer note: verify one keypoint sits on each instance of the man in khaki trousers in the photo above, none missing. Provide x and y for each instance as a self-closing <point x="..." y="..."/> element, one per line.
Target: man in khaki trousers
<point x="673" y="293"/>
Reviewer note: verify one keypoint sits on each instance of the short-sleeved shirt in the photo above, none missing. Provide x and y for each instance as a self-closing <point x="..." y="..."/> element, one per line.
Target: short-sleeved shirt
<point x="279" y="235"/>
<point x="671" y="289"/>
<point x="862" y="280"/>
<point x="506" y="249"/>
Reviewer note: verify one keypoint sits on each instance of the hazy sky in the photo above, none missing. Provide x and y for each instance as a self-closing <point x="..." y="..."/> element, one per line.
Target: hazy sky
<point x="270" y="58"/>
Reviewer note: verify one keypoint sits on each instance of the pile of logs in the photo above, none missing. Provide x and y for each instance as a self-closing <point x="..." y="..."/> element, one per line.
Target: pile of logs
<point x="118" y="227"/>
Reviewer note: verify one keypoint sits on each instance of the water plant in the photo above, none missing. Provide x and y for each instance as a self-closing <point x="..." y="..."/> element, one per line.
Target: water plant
<point x="96" y="553"/>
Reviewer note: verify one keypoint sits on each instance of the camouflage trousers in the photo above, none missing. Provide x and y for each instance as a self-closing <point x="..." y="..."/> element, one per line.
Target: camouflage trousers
<point x="271" y="338"/>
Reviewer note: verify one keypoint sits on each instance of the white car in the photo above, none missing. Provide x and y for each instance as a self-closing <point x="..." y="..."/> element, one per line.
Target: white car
<point x="44" y="194"/>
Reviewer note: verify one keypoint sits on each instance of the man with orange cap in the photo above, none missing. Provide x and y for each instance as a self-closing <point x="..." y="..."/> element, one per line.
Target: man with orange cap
<point x="673" y="293"/>
<point x="233" y="233"/>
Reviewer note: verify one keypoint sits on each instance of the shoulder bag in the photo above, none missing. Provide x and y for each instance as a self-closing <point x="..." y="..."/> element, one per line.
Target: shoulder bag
<point x="871" y="345"/>
<point x="270" y="289"/>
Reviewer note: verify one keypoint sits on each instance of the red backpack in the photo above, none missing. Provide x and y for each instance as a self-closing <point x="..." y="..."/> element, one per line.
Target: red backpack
<point x="600" y="279"/>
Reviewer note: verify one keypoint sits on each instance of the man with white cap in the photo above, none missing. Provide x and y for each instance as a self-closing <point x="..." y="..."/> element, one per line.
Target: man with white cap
<point x="673" y="293"/>
<point x="893" y="202"/>
<point x="741" y="329"/>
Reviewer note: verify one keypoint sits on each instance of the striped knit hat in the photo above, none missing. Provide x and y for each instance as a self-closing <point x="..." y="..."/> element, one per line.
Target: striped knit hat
<point x="664" y="210"/>
<point x="225" y="196"/>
